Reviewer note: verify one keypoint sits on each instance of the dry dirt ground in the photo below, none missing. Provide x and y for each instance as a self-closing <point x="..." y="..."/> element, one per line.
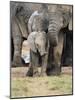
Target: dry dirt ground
<point x="23" y="86"/>
<point x="21" y="71"/>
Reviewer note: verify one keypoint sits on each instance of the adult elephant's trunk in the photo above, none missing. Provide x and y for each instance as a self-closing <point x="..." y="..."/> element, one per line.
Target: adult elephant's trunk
<point x="52" y="33"/>
<point x="55" y="24"/>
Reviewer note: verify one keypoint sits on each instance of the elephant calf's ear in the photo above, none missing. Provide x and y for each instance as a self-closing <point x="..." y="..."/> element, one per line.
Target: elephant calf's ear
<point x="70" y="25"/>
<point x="31" y="41"/>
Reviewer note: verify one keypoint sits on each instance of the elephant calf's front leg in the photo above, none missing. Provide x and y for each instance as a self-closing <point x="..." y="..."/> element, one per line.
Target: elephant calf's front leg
<point x="34" y="63"/>
<point x="44" y="65"/>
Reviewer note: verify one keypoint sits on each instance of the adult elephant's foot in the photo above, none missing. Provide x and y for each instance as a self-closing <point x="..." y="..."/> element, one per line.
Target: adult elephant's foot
<point x="17" y="62"/>
<point x="54" y="70"/>
<point x="67" y="62"/>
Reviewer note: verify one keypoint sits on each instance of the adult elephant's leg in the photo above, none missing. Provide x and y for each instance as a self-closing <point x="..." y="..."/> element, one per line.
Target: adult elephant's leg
<point x="17" y="51"/>
<point x="57" y="54"/>
<point x="50" y="59"/>
<point x="17" y="40"/>
<point x="67" y="52"/>
<point x="12" y="49"/>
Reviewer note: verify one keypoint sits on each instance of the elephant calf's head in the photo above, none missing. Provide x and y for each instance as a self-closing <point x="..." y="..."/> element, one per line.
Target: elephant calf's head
<point x="37" y="42"/>
<point x="41" y="42"/>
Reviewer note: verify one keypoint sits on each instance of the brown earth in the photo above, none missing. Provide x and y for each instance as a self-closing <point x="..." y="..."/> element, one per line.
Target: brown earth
<point x="22" y="86"/>
<point x="21" y="71"/>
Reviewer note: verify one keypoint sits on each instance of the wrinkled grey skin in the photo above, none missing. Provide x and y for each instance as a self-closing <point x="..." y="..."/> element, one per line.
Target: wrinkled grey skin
<point x="38" y="51"/>
<point x="59" y="20"/>
<point x="19" y="30"/>
<point x="20" y="14"/>
<point x="38" y="21"/>
<point x="37" y="27"/>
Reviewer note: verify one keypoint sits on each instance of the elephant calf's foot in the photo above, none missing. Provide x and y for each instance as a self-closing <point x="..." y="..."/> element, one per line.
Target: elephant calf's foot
<point x="36" y="74"/>
<point x="43" y="74"/>
<point x="30" y="72"/>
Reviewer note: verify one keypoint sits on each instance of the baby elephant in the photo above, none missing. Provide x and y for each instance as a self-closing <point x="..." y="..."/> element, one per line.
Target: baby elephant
<point x="38" y="52"/>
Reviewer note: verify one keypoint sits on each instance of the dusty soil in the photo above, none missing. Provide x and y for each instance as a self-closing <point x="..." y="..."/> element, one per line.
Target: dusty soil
<point x="21" y="71"/>
<point x="23" y="86"/>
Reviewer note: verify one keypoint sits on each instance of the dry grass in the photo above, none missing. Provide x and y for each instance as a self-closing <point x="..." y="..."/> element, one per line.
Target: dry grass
<point x="22" y="86"/>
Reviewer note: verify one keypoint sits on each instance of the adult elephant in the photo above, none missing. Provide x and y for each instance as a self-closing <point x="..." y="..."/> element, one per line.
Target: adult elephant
<point x="38" y="52"/>
<point x="60" y="20"/>
<point x="20" y="14"/>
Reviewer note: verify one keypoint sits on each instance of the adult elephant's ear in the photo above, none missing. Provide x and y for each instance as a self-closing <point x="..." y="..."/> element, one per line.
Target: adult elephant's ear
<point x="70" y="26"/>
<point x="67" y="13"/>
